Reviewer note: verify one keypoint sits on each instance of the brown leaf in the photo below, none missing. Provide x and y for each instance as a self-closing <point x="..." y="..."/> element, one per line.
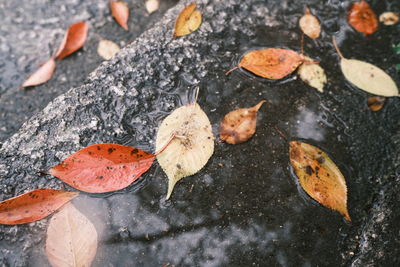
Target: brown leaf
<point x="120" y="12"/>
<point x="375" y="103"/>
<point x="41" y="75"/>
<point x="319" y="176"/>
<point x="188" y="20"/>
<point x="309" y="24"/>
<point x="239" y="125"/>
<point x="362" y="18"/>
<point x="74" y="39"/>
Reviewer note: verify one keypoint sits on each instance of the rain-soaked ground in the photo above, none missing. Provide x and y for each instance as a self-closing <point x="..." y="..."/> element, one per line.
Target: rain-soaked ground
<point x="245" y="207"/>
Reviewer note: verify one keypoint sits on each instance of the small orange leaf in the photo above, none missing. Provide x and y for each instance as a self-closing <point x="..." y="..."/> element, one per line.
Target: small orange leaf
<point x="103" y="168"/>
<point x="120" y="12"/>
<point x="41" y="75"/>
<point x="188" y="20"/>
<point x="375" y="103"/>
<point x="74" y="39"/>
<point x="319" y="176"/>
<point x="239" y="125"/>
<point x="362" y="18"/>
<point x="33" y="206"/>
<point x="309" y="24"/>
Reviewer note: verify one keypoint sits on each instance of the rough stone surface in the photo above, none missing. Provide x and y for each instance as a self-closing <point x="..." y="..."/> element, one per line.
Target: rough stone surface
<point x="245" y="207"/>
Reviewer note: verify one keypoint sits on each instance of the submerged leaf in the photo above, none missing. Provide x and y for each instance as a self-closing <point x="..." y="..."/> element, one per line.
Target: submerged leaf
<point x="389" y="18"/>
<point x="152" y="5"/>
<point x="239" y="125"/>
<point x="313" y="75"/>
<point x="33" y="206"/>
<point x="375" y="103"/>
<point x="319" y="176"/>
<point x="309" y="24"/>
<point x="74" y="39"/>
<point x="362" y="18"/>
<point x="41" y="75"/>
<point x="107" y="49"/>
<point x="71" y="239"/>
<point x="192" y="146"/>
<point x="103" y="168"/>
<point x="188" y="21"/>
<point x="120" y="12"/>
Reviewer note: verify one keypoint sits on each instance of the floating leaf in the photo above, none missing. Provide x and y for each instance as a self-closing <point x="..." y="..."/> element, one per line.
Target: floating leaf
<point x="188" y="21"/>
<point x="74" y="39"/>
<point x="319" y="176"/>
<point x="33" y="206"/>
<point x="192" y="146"/>
<point x="107" y="49"/>
<point x="309" y="24"/>
<point x="120" y="12"/>
<point x="41" y="75"/>
<point x="239" y="125"/>
<point x="375" y="103"/>
<point x="312" y="74"/>
<point x="71" y="239"/>
<point x="362" y="18"/>
<point x="152" y="5"/>
<point x="103" y="168"/>
<point x="367" y="76"/>
<point x="389" y="18"/>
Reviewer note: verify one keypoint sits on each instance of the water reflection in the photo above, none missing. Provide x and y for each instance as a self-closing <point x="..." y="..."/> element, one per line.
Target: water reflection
<point x="308" y="125"/>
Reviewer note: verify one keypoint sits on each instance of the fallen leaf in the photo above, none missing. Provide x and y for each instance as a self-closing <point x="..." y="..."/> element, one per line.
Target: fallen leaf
<point x="192" y="146"/>
<point x="239" y="125"/>
<point x="188" y="21"/>
<point x="107" y="49"/>
<point x="152" y="5"/>
<point x="33" y="206"/>
<point x="362" y="18"/>
<point x="367" y="76"/>
<point x="103" y="168"/>
<point x="375" y="103"/>
<point x="41" y="75"/>
<point x="270" y="63"/>
<point x="309" y="24"/>
<point x="389" y="18"/>
<point x="71" y="239"/>
<point x="74" y="39"/>
<point x="120" y="12"/>
<point x="312" y="74"/>
<point x="319" y="176"/>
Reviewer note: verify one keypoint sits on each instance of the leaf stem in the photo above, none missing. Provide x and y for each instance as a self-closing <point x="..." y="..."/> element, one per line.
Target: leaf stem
<point x="166" y="145"/>
<point x="229" y="71"/>
<point x="281" y="133"/>
<point x="336" y="47"/>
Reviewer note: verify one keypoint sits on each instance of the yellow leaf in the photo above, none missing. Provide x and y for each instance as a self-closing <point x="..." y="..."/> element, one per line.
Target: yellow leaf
<point x="319" y="176"/>
<point x="313" y="75"/>
<point x="309" y="24"/>
<point x="188" y="21"/>
<point x="107" y="49"/>
<point x="192" y="146"/>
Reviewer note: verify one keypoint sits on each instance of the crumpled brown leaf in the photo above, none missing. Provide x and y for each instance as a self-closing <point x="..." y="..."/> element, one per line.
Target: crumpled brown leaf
<point x="188" y="21"/>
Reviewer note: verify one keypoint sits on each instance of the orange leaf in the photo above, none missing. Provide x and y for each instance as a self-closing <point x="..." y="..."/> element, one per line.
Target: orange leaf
<point x="41" y="75"/>
<point x="375" y="103"/>
<point x="120" y="12"/>
<point x="103" y="167"/>
<point x="74" y="39"/>
<point x="362" y="18"/>
<point x="239" y="125"/>
<point x="188" y="20"/>
<point x="33" y="206"/>
<point x="309" y="24"/>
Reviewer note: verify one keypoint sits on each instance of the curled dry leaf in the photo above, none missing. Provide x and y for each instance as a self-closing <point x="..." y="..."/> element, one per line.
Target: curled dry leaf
<point x="192" y="146"/>
<point x="389" y="18"/>
<point x="41" y="75"/>
<point x="152" y="5"/>
<point x="74" y="39"/>
<point x="367" y="76"/>
<point x="239" y="125"/>
<point x="107" y="49"/>
<point x="33" y="206"/>
<point x="312" y="74"/>
<point x="319" y="176"/>
<point x="71" y="239"/>
<point x="120" y="12"/>
<point x="309" y="24"/>
<point x="188" y="21"/>
<point x="362" y="18"/>
<point x="375" y="103"/>
<point x="103" y="168"/>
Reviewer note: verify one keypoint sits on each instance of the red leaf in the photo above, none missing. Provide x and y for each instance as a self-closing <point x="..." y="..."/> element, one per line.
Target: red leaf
<point x="41" y="75"/>
<point x="33" y="206"/>
<point x="362" y="18"/>
<point x="120" y="12"/>
<point x="74" y="39"/>
<point x="103" y="167"/>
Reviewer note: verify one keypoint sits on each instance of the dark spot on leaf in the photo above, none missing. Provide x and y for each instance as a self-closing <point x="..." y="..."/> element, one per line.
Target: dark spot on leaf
<point x="134" y="151"/>
<point x="309" y="170"/>
<point x="321" y="160"/>
<point x="179" y="166"/>
<point x="98" y="148"/>
<point x="111" y="150"/>
<point x="100" y="177"/>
